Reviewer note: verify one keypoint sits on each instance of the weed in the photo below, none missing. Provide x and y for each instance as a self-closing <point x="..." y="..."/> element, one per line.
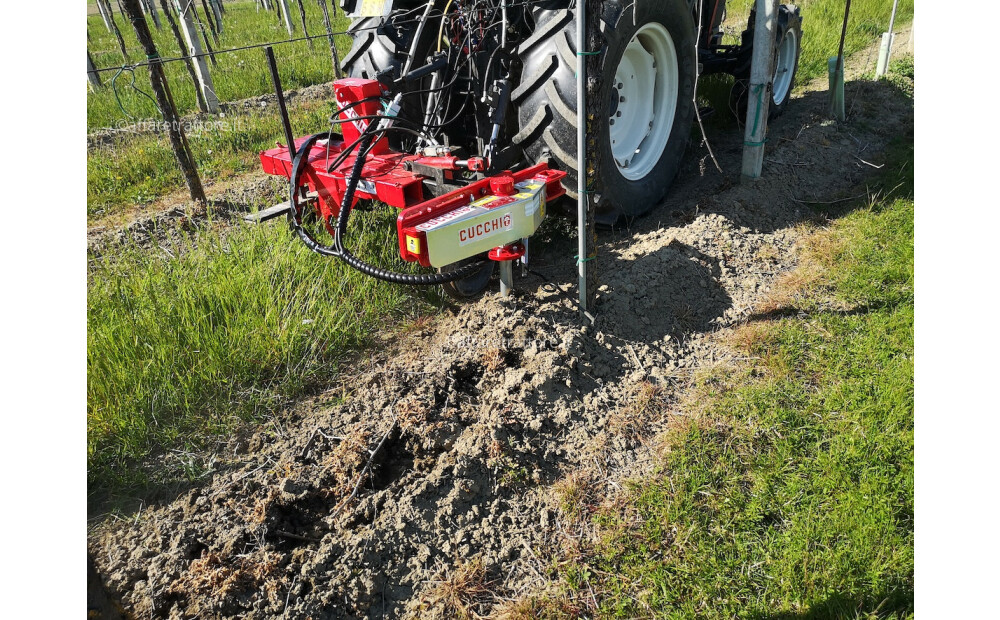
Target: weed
<point x="460" y="592"/>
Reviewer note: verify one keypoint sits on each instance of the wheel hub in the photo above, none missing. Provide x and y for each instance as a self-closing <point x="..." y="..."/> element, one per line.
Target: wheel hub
<point x="644" y="101"/>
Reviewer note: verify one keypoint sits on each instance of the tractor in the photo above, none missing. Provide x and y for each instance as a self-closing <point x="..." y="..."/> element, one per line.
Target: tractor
<point x="463" y="115"/>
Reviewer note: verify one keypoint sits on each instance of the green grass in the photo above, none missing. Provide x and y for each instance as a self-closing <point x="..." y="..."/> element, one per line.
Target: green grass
<point x="787" y="491"/>
<point x="224" y="328"/>
<point x="238" y="75"/>
<point x="142" y="168"/>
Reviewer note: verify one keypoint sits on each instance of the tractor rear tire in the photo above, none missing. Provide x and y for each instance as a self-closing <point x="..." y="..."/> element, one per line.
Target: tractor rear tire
<point x="647" y="77"/>
<point x="371" y="52"/>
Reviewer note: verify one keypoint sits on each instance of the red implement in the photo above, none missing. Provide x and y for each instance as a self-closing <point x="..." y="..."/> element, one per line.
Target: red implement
<point x="386" y="176"/>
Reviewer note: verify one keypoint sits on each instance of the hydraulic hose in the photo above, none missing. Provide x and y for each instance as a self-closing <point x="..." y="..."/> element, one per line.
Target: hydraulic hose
<point x="338" y="250"/>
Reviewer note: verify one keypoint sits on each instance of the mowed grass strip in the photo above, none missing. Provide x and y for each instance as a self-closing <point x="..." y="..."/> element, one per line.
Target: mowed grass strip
<point x="236" y="75"/>
<point x="786" y="489"/>
<point x="185" y="342"/>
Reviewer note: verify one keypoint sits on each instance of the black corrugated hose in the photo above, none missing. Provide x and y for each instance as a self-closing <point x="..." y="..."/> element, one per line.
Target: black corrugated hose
<point x="337" y="249"/>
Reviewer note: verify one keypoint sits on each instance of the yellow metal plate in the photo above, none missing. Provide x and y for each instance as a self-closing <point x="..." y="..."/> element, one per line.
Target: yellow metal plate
<point x="374" y="8"/>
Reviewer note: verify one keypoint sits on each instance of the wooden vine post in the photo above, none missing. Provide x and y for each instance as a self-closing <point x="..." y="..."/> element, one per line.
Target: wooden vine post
<point x="302" y="16"/>
<point x="118" y="35"/>
<point x="164" y="100"/>
<point x="150" y="8"/>
<point x="761" y="83"/>
<point x="205" y="83"/>
<point x="202" y="105"/>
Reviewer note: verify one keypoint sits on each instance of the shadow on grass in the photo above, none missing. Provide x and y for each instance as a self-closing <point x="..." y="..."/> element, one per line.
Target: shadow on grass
<point x="897" y="604"/>
<point x="787" y="312"/>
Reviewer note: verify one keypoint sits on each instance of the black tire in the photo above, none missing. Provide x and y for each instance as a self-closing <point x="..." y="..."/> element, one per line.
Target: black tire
<point x="472" y="286"/>
<point x="546" y="102"/>
<point x="370" y="52"/>
<point x="373" y="50"/>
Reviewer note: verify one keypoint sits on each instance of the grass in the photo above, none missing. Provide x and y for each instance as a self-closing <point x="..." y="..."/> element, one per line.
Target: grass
<point x="142" y="168"/>
<point x="238" y="75"/>
<point x="183" y="343"/>
<point x="786" y="489"/>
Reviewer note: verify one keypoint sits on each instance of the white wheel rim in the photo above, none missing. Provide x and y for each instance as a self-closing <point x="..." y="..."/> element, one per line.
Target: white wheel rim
<point x="785" y="66"/>
<point x="644" y="101"/>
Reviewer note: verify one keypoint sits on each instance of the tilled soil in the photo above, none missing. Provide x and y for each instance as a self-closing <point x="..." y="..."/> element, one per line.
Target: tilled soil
<point x="444" y="456"/>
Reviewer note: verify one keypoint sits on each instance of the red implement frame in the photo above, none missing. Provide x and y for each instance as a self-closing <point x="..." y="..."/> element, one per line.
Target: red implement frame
<point x="385" y="175"/>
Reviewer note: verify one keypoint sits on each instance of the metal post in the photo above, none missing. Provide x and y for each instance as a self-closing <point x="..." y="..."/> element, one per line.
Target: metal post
<point x="217" y="11"/>
<point x="761" y="78"/>
<point x="280" y="94"/>
<point x="506" y="277"/>
<point x="103" y="10"/>
<point x="287" y="16"/>
<point x="581" y="150"/>
<point x="885" y="50"/>
<point x="836" y="68"/>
